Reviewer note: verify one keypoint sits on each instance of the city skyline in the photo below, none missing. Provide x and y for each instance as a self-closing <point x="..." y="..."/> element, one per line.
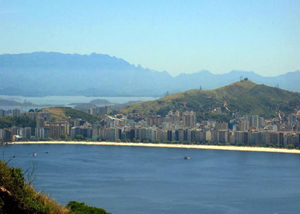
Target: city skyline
<point x="175" y="36"/>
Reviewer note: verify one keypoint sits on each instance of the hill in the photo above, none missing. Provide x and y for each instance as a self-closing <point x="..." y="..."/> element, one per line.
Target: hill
<point x="51" y="73"/>
<point x="244" y="97"/>
<point x="67" y="113"/>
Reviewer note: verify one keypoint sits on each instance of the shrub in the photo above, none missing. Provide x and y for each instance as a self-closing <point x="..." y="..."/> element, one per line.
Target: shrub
<point x="81" y="208"/>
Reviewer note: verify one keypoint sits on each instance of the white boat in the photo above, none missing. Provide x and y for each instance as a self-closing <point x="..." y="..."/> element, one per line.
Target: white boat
<point x="186" y="157"/>
<point x="33" y="154"/>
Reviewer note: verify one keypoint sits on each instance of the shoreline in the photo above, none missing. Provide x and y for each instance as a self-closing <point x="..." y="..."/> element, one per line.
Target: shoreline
<point x="162" y="145"/>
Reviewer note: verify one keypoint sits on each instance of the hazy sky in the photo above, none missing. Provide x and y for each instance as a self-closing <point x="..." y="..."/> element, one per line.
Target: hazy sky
<point x="176" y="36"/>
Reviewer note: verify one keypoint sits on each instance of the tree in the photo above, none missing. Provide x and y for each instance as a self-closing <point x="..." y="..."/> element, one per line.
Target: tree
<point x="62" y="137"/>
<point x="79" y="137"/>
<point x="156" y="141"/>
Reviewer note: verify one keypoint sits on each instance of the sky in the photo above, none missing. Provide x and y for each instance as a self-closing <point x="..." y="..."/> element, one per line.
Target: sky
<point x="172" y="35"/>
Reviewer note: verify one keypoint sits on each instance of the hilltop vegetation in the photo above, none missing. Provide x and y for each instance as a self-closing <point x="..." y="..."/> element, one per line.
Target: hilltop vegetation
<point x="244" y="97"/>
<point x="21" y="121"/>
<point x="67" y="113"/>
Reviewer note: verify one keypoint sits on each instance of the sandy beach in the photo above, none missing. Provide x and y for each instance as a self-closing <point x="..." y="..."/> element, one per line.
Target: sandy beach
<point x="181" y="146"/>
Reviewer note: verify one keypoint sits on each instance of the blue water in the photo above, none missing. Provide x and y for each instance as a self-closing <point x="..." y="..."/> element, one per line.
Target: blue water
<point x="158" y="180"/>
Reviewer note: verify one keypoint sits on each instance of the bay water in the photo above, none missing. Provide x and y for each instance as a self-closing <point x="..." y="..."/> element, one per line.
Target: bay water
<point x="143" y="180"/>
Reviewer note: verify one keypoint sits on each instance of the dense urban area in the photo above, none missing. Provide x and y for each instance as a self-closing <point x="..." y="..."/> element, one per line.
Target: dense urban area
<point x="176" y="127"/>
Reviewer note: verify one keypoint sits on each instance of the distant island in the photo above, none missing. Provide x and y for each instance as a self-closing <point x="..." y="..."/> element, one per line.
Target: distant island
<point x="96" y="102"/>
<point x="5" y="102"/>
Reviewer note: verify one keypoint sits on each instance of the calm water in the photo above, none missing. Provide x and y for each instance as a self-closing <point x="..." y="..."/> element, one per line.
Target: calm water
<point x="158" y="180"/>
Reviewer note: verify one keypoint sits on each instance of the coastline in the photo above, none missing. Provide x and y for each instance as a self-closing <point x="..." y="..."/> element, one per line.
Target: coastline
<point x="161" y="145"/>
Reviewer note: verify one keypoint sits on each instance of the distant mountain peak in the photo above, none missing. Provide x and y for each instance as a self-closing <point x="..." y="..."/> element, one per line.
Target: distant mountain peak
<point x="204" y="72"/>
<point x="241" y="71"/>
<point x="53" y="73"/>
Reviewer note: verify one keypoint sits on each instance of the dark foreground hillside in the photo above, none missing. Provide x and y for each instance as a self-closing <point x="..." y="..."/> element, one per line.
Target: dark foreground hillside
<point x="19" y="197"/>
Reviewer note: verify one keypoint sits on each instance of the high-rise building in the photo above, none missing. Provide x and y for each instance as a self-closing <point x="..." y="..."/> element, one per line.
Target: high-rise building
<point x="241" y="137"/>
<point x="16" y="112"/>
<point x="45" y="115"/>
<point x="189" y="119"/>
<point x="2" y="134"/>
<point x="86" y="132"/>
<point x="255" y="138"/>
<point x="154" y="120"/>
<point x="15" y="130"/>
<point x="25" y="133"/>
<point x="40" y="122"/>
<point x="32" y="115"/>
<point x="113" y="133"/>
<point x="40" y="132"/>
<point x="55" y="131"/>
<point x="292" y="119"/>
<point x="223" y="136"/>
<point x="79" y="122"/>
<point x="5" y="135"/>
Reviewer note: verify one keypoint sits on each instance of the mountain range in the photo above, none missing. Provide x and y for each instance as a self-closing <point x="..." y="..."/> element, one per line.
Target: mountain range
<point x="51" y="73"/>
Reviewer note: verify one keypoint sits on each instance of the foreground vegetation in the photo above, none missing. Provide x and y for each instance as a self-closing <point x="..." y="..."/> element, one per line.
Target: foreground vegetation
<point x="18" y="196"/>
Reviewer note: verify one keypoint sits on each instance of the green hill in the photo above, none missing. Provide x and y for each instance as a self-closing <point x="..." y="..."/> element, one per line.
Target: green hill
<point x="67" y="113"/>
<point x="243" y="97"/>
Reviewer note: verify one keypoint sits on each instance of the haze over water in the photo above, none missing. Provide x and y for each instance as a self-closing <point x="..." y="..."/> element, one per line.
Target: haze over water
<point x="159" y="180"/>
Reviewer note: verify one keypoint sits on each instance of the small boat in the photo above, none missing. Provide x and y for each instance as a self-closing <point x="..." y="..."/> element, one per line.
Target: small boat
<point x="186" y="157"/>
<point x="33" y="154"/>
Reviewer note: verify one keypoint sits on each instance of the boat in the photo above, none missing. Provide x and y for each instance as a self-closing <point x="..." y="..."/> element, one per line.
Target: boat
<point x="186" y="157"/>
<point x="33" y="154"/>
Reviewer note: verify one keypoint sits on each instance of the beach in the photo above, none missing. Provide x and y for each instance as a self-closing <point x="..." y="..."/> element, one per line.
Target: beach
<point x="181" y="146"/>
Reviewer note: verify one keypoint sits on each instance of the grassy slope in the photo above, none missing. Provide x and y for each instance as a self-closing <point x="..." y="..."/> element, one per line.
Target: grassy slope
<point x="244" y="97"/>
